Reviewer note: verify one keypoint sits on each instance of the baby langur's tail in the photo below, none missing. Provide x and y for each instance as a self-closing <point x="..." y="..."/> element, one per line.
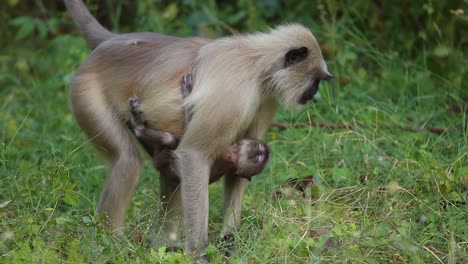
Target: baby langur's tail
<point x="92" y="31"/>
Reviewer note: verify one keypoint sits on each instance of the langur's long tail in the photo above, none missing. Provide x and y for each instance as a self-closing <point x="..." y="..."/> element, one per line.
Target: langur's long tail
<point x="92" y="31"/>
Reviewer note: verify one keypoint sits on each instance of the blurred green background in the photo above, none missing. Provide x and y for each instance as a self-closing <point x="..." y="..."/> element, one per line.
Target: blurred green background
<point x="429" y="30"/>
<point x="353" y="34"/>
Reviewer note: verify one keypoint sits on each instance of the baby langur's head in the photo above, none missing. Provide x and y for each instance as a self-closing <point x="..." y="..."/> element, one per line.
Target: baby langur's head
<point x="252" y="157"/>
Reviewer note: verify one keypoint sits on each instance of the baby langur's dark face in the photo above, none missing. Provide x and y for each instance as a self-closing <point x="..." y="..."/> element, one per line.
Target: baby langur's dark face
<point x="252" y="156"/>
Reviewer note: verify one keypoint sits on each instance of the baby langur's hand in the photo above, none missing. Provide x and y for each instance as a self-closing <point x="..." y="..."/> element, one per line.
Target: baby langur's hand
<point x="153" y="140"/>
<point x="137" y="114"/>
<point x="186" y="84"/>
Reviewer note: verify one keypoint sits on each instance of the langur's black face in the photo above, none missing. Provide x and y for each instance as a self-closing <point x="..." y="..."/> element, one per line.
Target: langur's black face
<point x="312" y="90"/>
<point x="252" y="157"/>
<point x="300" y="60"/>
<point x="298" y="79"/>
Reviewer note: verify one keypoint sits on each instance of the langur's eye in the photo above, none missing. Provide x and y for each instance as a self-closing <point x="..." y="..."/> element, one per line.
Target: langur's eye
<point x="260" y="148"/>
<point x="295" y="56"/>
<point x="259" y="158"/>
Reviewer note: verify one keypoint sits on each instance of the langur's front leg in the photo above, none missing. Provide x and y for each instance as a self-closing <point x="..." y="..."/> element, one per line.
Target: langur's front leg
<point x="194" y="173"/>
<point x="234" y="185"/>
<point x="194" y="169"/>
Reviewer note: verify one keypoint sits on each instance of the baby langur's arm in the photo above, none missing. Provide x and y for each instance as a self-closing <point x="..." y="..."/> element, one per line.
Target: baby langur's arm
<point x="152" y="139"/>
<point x="186" y="85"/>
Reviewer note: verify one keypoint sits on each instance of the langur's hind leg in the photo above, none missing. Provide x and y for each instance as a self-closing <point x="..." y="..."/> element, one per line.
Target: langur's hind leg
<point x="109" y="134"/>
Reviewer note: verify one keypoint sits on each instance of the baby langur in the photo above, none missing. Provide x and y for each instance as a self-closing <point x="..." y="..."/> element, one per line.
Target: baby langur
<point x="245" y="158"/>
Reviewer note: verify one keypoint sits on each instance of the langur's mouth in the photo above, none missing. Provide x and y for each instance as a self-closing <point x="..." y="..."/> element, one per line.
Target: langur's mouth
<point x="310" y="92"/>
<point x="249" y="178"/>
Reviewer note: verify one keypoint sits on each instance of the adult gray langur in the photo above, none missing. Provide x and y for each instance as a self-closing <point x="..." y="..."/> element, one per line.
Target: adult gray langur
<point x="239" y="81"/>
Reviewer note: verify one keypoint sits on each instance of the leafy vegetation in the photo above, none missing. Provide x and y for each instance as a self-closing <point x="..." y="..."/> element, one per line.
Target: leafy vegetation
<point x="387" y="147"/>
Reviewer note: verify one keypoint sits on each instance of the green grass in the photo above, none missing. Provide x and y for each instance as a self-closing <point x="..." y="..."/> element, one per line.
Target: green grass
<point x="382" y="193"/>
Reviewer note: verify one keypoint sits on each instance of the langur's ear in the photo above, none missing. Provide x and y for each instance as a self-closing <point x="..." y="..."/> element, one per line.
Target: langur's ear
<point x="295" y="55"/>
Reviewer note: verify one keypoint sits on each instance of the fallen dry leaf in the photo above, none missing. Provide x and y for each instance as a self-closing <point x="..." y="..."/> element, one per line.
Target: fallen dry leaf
<point x="294" y="186"/>
<point x="4" y="204"/>
<point x="464" y="183"/>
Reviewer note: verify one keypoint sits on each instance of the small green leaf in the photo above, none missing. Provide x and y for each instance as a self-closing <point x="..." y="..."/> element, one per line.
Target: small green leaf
<point x="63" y="220"/>
<point x="455" y="197"/>
<point x="162" y="254"/>
<point x="34" y="229"/>
<point x="74" y="255"/>
<point x="441" y="51"/>
<point x="87" y="220"/>
<point x="107" y="251"/>
<point x="71" y="198"/>
<point x="211" y="251"/>
<point x="39" y="162"/>
<point x="140" y="251"/>
<point x="171" y="12"/>
<point x="104" y="241"/>
<point x="20" y="20"/>
<point x="393" y="187"/>
<point x="25" y="30"/>
<point x="340" y="174"/>
<point x="42" y="28"/>
<point x="236" y="18"/>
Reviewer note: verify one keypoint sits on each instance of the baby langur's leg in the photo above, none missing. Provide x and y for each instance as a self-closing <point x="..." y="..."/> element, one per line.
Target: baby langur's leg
<point x="153" y="140"/>
<point x="158" y="143"/>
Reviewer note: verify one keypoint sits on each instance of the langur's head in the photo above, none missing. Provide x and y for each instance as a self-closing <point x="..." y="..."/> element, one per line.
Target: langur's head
<point x="253" y="156"/>
<point x="299" y="67"/>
